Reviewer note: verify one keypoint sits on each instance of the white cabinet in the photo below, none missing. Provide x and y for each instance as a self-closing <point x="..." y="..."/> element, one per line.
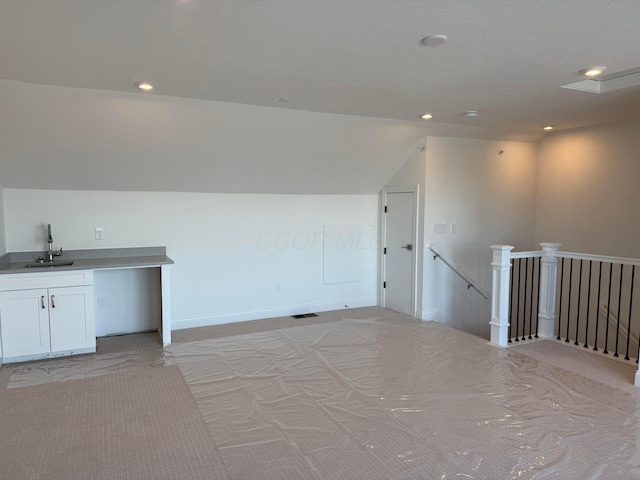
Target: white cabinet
<point x="24" y="322"/>
<point x="71" y="323"/>
<point x="44" y="322"/>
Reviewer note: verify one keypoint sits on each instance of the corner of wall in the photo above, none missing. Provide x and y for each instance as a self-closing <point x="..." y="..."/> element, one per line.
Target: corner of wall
<point x="589" y="175"/>
<point x="412" y="170"/>
<point x="3" y="236"/>
<point x="477" y="192"/>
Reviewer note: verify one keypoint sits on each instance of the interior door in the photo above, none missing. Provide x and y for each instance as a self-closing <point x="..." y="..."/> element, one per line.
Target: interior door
<point x="399" y="257"/>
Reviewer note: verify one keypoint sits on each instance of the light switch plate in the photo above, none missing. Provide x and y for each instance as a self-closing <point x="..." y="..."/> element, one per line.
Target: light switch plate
<point x="99" y="233"/>
<point x="440" y="228"/>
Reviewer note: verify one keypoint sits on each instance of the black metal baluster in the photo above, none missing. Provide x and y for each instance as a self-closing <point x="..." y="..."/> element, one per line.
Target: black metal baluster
<point x="633" y="274"/>
<point x="606" y="331"/>
<point x="566" y="339"/>
<point x="579" y="298"/>
<point x="638" y="350"/>
<point x="533" y="267"/>
<point x="518" y="304"/>
<point x="538" y="297"/>
<point x="619" y="305"/>
<point x="586" y="328"/>
<point x="560" y="303"/>
<point x="595" y="339"/>
<point x="511" y="299"/>
<point x="524" y="307"/>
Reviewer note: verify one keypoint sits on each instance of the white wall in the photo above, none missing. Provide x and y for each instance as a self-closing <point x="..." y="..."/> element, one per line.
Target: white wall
<point x="3" y="242"/>
<point x="229" y="249"/>
<point x="127" y="300"/>
<point x="588" y="193"/>
<point x="490" y="197"/>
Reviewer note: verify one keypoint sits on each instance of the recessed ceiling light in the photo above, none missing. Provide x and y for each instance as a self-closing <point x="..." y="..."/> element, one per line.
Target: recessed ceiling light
<point x="427" y="116"/>
<point x="434" y="40"/>
<point x="145" y="86"/>
<point x="548" y="127"/>
<point x="471" y="114"/>
<point x="593" y="71"/>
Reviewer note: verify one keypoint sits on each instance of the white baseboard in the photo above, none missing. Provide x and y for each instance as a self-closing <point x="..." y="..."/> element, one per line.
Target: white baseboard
<point x="428" y="314"/>
<point x="42" y="356"/>
<point x="232" y="317"/>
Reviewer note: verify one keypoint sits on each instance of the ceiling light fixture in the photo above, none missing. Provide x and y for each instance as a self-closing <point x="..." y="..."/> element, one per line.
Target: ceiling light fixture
<point x="144" y="86"/>
<point x="471" y="114"/>
<point x="434" y="40"/>
<point x="593" y="71"/>
<point x="427" y="116"/>
<point x="548" y="127"/>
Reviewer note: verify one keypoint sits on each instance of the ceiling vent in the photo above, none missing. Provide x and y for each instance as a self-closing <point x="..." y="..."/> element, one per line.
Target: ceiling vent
<point x="608" y="83"/>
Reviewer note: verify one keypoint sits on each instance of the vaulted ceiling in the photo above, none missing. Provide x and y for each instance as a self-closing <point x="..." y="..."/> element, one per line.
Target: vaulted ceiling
<point x="506" y="59"/>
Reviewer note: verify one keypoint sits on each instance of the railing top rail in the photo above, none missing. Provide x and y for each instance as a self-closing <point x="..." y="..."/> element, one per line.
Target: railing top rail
<point x="578" y="256"/>
<point x="457" y="271"/>
<point x="539" y="253"/>
<point x="599" y="258"/>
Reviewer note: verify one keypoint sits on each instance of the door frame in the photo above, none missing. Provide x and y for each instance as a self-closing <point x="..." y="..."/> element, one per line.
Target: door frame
<point x="415" y="190"/>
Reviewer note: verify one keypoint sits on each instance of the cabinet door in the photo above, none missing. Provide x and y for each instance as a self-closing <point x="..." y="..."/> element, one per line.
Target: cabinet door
<point x="71" y="318"/>
<point x="24" y="318"/>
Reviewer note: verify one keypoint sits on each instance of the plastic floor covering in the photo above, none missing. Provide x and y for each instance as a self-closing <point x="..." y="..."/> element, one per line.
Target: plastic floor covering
<point x="386" y="398"/>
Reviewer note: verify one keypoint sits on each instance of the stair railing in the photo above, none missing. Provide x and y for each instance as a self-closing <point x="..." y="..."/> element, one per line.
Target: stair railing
<point x="593" y="296"/>
<point x="458" y="271"/>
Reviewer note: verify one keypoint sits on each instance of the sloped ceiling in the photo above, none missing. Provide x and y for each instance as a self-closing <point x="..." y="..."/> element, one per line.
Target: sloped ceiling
<point x="75" y="139"/>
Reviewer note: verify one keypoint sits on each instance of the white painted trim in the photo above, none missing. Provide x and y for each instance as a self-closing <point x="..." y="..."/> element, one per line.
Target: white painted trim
<point x="41" y="356"/>
<point x="537" y="253"/>
<point x="165" y="321"/>
<point x="428" y="315"/>
<point x="599" y="258"/>
<point x="415" y="189"/>
<point x="575" y="255"/>
<point x="232" y="317"/>
<point x="500" y="274"/>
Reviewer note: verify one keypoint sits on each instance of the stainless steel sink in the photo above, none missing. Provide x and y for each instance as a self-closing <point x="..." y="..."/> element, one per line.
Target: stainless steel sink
<point x="48" y="264"/>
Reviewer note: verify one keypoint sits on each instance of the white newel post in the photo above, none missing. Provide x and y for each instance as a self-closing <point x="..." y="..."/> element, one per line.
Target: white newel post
<point x="548" y="284"/>
<point x="501" y="266"/>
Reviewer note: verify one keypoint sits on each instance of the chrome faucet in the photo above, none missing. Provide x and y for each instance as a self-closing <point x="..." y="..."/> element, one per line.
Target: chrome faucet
<point x="51" y="253"/>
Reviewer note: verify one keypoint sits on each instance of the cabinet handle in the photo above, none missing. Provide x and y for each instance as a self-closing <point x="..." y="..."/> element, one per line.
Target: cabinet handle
<point x="42" y="302"/>
<point x="53" y="301"/>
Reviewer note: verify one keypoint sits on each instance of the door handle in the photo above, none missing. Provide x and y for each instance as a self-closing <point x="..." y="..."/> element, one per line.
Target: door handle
<point x="53" y="301"/>
<point x="408" y="246"/>
<point x="42" y="302"/>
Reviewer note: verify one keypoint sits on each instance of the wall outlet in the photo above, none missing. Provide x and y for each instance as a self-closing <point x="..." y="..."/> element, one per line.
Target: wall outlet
<point x="276" y="287"/>
<point x="101" y="301"/>
<point x="99" y="233"/>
